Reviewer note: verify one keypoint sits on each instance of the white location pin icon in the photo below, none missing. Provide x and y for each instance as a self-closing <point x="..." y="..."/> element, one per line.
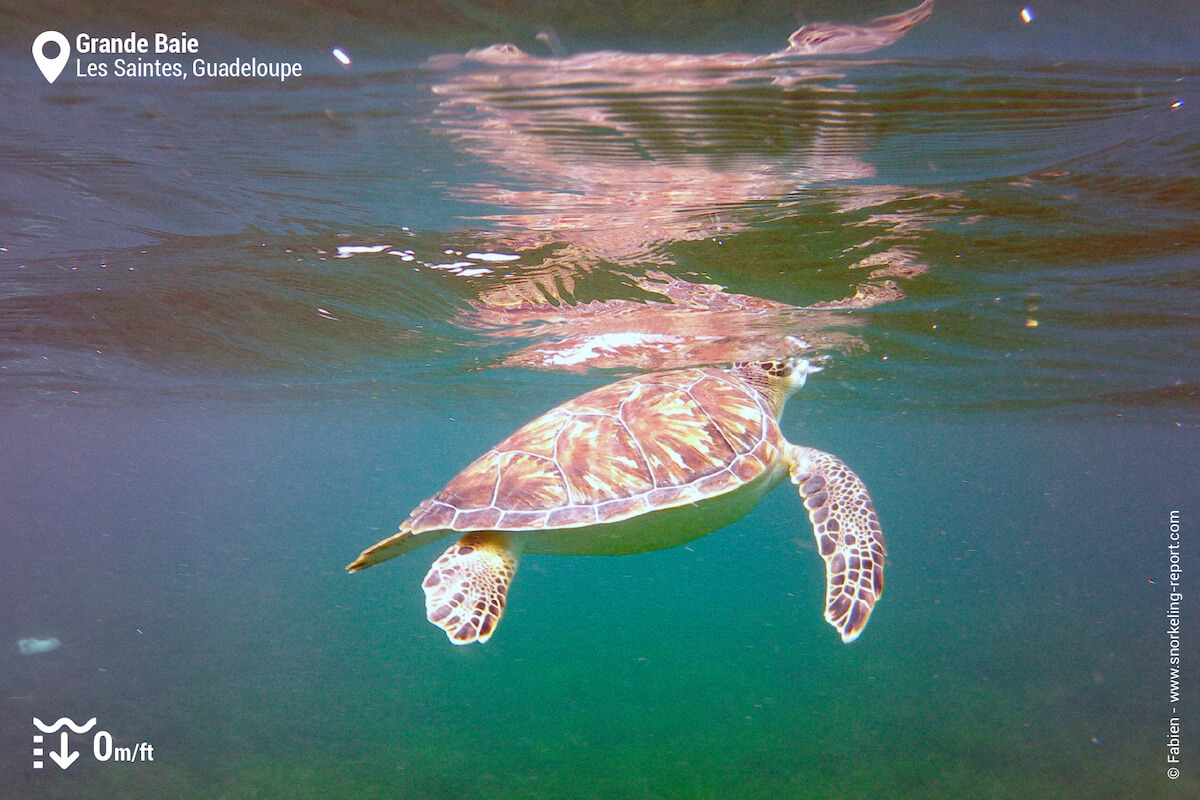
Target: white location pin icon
<point x="51" y="67"/>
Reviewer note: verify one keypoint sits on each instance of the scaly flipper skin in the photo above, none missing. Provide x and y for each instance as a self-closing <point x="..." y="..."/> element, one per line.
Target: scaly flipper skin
<point x="466" y="589"/>
<point x="848" y="537"/>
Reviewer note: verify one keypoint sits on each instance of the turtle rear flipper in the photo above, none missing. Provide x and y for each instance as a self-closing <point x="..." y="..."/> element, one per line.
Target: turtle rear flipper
<point x="467" y="588"/>
<point x="848" y="537"/>
<point x="395" y="545"/>
<point x="408" y="538"/>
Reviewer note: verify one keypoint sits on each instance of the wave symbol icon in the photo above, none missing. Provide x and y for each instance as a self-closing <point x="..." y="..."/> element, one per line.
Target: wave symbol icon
<point x="64" y="722"/>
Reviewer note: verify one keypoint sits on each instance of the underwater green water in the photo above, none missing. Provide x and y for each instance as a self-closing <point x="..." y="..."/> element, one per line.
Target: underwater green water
<point x="242" y="335"/>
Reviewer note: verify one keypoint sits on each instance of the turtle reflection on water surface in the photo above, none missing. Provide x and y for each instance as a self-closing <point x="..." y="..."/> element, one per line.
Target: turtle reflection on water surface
<point x="646" y="463"/>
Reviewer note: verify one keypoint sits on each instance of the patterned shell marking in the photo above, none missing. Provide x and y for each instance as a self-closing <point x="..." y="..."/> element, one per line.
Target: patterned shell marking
<point x="638" y="445"/>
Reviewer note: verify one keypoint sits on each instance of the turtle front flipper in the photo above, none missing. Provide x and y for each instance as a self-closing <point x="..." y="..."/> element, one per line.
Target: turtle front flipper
<point x="466" y="589"/>
<point x="848" y="536"/>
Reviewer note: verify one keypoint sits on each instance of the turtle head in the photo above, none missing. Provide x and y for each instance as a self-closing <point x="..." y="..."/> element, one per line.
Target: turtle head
<point x="776" y="380"/>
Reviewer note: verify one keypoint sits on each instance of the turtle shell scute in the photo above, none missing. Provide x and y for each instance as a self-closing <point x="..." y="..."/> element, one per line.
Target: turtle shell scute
<point x="632" y="447"/>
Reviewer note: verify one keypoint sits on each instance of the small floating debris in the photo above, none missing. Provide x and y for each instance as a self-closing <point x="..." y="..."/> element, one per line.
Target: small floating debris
<point x="341" y="56"/>
<point x="33" y="646"/>
<point x="1027" y="15"/>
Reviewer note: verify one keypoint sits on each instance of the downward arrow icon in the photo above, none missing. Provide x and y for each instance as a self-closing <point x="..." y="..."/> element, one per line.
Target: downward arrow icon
<point x="67" y="757"/>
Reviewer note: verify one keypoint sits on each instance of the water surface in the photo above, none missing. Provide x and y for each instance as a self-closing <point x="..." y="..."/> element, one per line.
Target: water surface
<point x="247" y="327"/>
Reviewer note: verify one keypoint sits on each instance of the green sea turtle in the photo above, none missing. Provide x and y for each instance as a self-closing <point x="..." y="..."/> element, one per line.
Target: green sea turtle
<point x="642" y="464"/>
